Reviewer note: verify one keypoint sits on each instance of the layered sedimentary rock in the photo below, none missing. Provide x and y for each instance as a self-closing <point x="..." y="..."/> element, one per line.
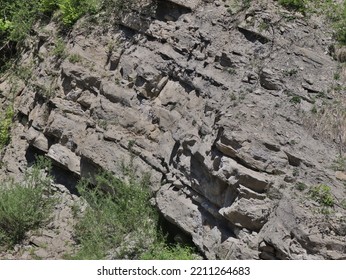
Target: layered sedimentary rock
<point x="202" y="97"/>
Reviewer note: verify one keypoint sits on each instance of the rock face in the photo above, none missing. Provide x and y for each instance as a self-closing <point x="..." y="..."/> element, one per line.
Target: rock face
<point x="211" y="102"/>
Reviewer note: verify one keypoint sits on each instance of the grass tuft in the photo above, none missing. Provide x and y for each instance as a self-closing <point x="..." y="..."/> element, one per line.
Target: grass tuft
<point x="25" y="206"/>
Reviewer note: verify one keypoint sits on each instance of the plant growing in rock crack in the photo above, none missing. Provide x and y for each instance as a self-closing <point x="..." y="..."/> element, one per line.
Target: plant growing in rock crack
<point x="300" y="186"/>
<point x="5" y="126"/>
<point x="25" y="206"/>
<point x="322" y="194"/>
<point x="59" y="50"/>
<point x="263" y="26"/>
<point x="290" y="72"/>
<point x="343" y="204"/>
<point x="75" y="58"/>
<point x="296" y="99"/>
<point x="230" y="70"/>
<point x="339" y="164"/>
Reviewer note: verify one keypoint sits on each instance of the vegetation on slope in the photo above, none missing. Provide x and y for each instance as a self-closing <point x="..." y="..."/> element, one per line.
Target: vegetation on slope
<point x="5" y="124"/>
<point x="26" y="206"/>
<point x="120" y="222"/>
<point x="17" y="17"/>
<point x="335" y="12"/>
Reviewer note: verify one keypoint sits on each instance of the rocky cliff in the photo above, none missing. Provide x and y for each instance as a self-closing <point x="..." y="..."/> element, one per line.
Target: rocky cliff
<point x="235" y="110"/>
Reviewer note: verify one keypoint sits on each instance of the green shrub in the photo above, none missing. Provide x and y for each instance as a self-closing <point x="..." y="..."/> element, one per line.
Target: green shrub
<point x="161" y="251"/>
<point x="59" y="50"/>
<point x="116" y="209"/>
<point x="339" y="164"/>
<point x="340" y="25"/>
<point x="296" y="99"/>
<point x="120" y="222"/>
<point x="322" y="194"/>
<point x="75" y="58"/>
<point x="298" y="5"/>
<point x="47" y="6"/>
<point x="25" y="206"/>
<point x="72" y="10"/>
<point x="300" y="186"/>
<point x="5" y="26"/>
<point x="5" y="125"/>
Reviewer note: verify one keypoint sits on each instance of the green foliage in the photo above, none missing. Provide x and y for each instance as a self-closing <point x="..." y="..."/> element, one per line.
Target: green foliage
<point x="75" y="58"/>
<point x="72" y="10"/>
<point x="343" y="204"/>
<point x="120" y="221"/>
<point x="23" y="72"/>
<point x="314" y="110"/>
<point x="290" y="72"/>
<point x="18" y="16"/>
<point x="299" y="5"/>
<point x="340" y="24"/>
<point x="296" y="99"/>
<point x="300" y="186"/>
<point x="334" y="11"/>
<point x="116" y="209"/>
<point x="322" y="194"/>
<point x="5" y="125"/>
<point x="47" y="6"/>
<point x="161" y="251"/>
<point x="339" y="164"/>
<point x="25" y="206"/>
<point x="5" y="26"/>
<point x="59" y="50"/>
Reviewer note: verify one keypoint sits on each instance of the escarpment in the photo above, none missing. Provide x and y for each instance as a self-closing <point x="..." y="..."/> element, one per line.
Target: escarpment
<point x="220" y="103"/>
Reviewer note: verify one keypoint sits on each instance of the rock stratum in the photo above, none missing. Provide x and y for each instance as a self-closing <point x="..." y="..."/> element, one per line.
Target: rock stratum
<point x="216" y="101"/>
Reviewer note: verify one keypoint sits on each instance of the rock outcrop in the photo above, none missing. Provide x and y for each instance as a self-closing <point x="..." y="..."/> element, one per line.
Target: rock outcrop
<point x="212" y="100"/>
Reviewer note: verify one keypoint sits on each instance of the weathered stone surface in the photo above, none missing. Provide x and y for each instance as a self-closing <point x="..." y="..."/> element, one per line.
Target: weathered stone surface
<point x="250" y="213"/>
<point x="214" y="101"/>
<point x="65" y="158"/>
<point x="116" y="93"/>
<point x="269" y="80"/>
<point x="37" y="139"/>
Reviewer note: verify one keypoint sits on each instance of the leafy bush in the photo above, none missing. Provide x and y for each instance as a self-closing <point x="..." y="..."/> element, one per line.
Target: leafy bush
<point x="340" y="24"/>
<point x="25" y="206"/>
<point x="5" y="124"/>
<point x="75" y="58"/>
<point x="59" y="49"/>
<point x="334" y="11"/>
<point x="339" y="164"/>
<point x="161" y="251"/>
<point x="72" y="10"/>
<point x="116" y="209"/>
<point x="47" y="6"/>
<point x="120" y="222"/>
<point x="298" y="5"/>
<point x="322" y="194"/>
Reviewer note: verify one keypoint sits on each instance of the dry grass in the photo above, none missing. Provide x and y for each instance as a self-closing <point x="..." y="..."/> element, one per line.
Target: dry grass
<point x="340" y="54"/>
<point x="329" y="119"/>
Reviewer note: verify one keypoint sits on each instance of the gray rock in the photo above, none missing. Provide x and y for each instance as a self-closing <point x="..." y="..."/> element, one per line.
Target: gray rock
<point x="214" y="101"/>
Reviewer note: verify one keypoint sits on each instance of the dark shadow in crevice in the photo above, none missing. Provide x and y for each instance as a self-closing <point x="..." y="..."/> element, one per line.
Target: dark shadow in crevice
<point x="253" y="36"/>
<point x="175" y="235"/>
<point x="128" y="32"/>
<point x="60" y="175"/>
<point x="31" y="155"/>
<point x="169" y="11"/>
<point x="67" y="178"/>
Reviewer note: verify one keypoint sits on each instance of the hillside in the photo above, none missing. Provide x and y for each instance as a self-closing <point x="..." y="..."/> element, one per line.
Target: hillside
<point x="236" y="111"/>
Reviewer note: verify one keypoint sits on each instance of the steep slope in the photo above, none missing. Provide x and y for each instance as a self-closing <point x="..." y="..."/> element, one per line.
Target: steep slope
<point x="223" y="104"/>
